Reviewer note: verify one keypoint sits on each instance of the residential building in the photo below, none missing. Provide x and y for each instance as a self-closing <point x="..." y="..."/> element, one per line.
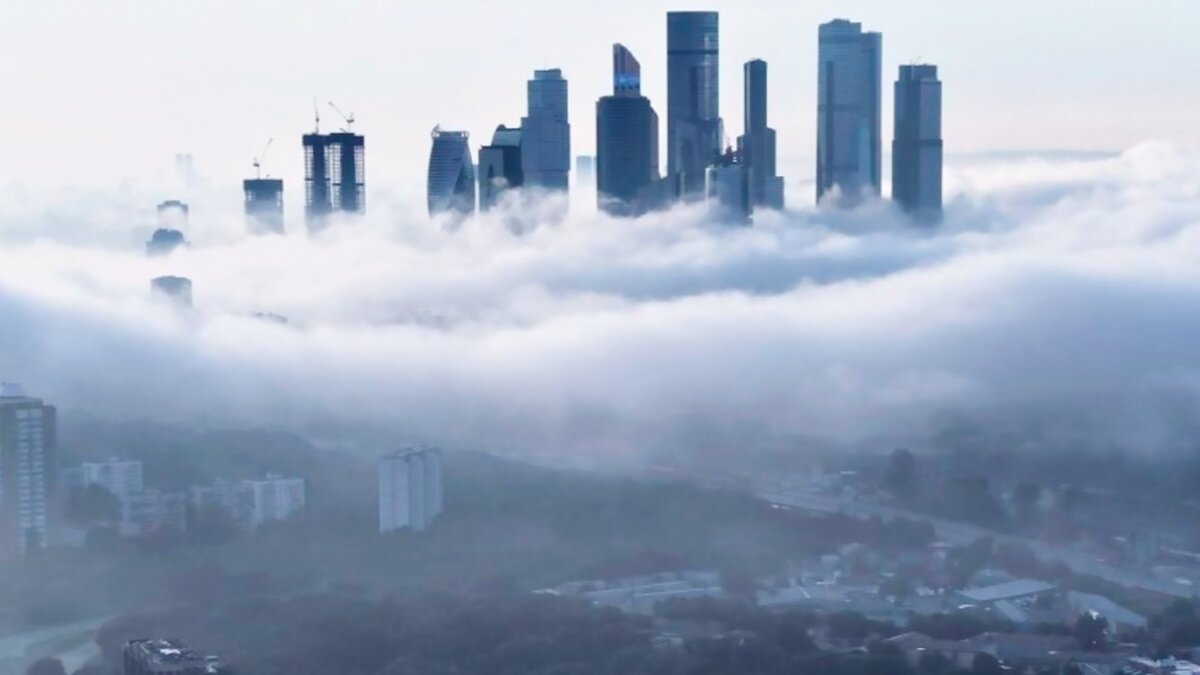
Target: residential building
<point x="727" y="184"/>
<point x="848" y="111"/>
<point x="917" y="143"/>
<point x="626" y="141"/>
<point x="546" y="132"/>
<point x="756" y="146"/>
<point x="120" y="477"/>
<point x="334" y="176"/>
<point x="271" y="499"/>
<point x="264" y="205"/>
<point x="177" y="290"/>
<point x="166" y="657"/>
<point x="28" y="472"/>
<point x="695" y="132"/>
<point x="410" y="489"/>
<point x="451" y="186"/>
<point x="499" y="166"/>
<point x="152" y="511"/>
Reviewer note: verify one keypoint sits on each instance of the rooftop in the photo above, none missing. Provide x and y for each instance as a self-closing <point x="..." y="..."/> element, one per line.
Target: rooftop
<point x="1006" y="591"/>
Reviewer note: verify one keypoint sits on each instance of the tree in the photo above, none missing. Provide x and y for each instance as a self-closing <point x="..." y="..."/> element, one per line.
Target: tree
<point x="986" y="664"/>
<point x="93" y="503"/>
<point x="1091" y="631"/>
<point x="1025" y="501"/>
<point x="901" y="476"/>
<point x="46" y="666"/>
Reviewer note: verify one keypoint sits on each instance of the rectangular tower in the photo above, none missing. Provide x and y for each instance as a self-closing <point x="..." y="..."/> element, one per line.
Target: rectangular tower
<point x="695" y="133"/>
<point x="334" y="176"/>
<point x="848" y="111"/>
<point x="917" y="143"/>
<point x="410" y="490"/>
<point x="264" y="204"/>
<point x="28" y="472"/>
<point x="546" y="132"/>
<point x="757" y="145"/>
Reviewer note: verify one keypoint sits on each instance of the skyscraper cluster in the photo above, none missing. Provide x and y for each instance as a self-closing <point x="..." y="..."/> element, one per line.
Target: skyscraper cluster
<point x="737" y="178"/>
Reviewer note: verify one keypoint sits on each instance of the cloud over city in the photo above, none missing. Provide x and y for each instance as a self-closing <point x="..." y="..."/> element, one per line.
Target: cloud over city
<point x="1059" y="301"/>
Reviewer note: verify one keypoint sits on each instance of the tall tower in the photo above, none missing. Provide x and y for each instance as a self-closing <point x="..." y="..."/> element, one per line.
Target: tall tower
<point x="451" y="186"/>
<point x="626" y="140"/>
<point x="28" y="472"/>
<point x="410" y="489"/>
<point x="695" y="133"/>
<point x="848" y="111"/>
<point x="264" y="204"/>
<point x="334" y="176"/>
<point x="757" y="145"/>
<point x="546" y="132"/>
<point x="917" y="143"/>
<point x="499" y="166"/>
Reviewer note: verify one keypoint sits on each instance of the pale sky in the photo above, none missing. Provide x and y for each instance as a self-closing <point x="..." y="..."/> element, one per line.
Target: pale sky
<point x="105" y="93"/>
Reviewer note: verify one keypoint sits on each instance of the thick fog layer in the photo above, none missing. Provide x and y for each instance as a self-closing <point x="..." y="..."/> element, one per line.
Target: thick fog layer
<point x="1059" y="303"/>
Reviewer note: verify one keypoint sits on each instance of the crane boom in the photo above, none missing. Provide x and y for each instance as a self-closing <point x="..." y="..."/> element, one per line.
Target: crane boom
<point x="349" y="118"/>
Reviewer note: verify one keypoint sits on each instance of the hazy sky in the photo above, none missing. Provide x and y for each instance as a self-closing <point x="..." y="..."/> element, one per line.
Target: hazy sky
<point x="99" y="93"/>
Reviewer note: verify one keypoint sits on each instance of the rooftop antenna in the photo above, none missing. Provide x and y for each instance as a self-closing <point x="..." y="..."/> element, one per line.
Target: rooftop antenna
<point x="349" y="118"/>
<point x="262" y="157"/>
<point x="316" y="116"/>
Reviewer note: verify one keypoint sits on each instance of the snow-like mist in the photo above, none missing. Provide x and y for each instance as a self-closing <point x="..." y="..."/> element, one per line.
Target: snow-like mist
<point x="1058" y="307"/>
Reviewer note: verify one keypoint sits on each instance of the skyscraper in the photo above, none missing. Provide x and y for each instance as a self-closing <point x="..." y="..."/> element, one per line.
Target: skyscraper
<point x="28" y="472"/>
<point x="264" y="204"/>
<point x="757" y="145"/>
<point x="451" y="186"/>
<point x="848" y="112"/>
<point x="334" y="176"/>
<point x="695" y="134"/>
<point x="499" y="166"/>
<point x="410" y="489"/>
<point x="546" y="132"/>
<point x="178" y="290"/>
<point x="626" y="140"/>
<point x="917" y="143"/>
<point x="727" y="185"/>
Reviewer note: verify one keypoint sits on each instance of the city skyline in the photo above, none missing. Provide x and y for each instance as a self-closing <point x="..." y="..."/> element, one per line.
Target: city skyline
<point x="283" y="105"/>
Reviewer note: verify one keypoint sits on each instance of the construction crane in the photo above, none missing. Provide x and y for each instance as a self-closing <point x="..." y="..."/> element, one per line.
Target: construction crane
<point x="349" y="118"/>
<point x="316" y="117"/>
<point x="261" y="158"/>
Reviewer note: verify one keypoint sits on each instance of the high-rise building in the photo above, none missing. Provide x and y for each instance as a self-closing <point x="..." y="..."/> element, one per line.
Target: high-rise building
<point x="695" y="133"/>
<point x="410" y="489"/>
<point x="585" y="171"/>
<point x="178" y="290"/>
<point x="334" y="176"/>
<point x="848" y="111"/>
<point x="499" y="166"/>
<point x="546" y="132"/>
<point x="626" y="140"/>
<point x="271" y="499"/>
<point x="28" y="472"/>
<point x="164" y="242"/>
<point x="917" y="143"/>
<point x="451" y="173"/>
<point x="264" y="204"/>
<point x="727" y="184"/>
<point x="121" y="477"/>
<point x="756" y="146"/>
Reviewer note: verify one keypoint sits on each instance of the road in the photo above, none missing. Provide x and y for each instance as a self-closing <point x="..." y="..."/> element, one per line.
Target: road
<point x="72" y="643"/>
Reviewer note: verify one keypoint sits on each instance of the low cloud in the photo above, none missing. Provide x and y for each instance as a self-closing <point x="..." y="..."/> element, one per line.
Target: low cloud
<point x="1058" y="307"/>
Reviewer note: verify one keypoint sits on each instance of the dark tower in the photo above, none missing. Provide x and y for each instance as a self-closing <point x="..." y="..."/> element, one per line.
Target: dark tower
<point x="757" y="145"/>
<point x="694" y="130"/>
<point x="626" y="140"/>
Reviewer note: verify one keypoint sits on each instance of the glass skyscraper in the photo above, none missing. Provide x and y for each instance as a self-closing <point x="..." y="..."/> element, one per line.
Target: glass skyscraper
<point x="694" y="130"/>
<point x="917" y="142"/>
<point x="451" y="185"/>
<point x="546" y="132"/>
<point x="757" y="145"/>
<point x="848" y="111"/>
<point x="264" y="204"/>
<point x="626" y="140"/>
<point x="334" y="176"/>
<point x="499" y="166"/>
